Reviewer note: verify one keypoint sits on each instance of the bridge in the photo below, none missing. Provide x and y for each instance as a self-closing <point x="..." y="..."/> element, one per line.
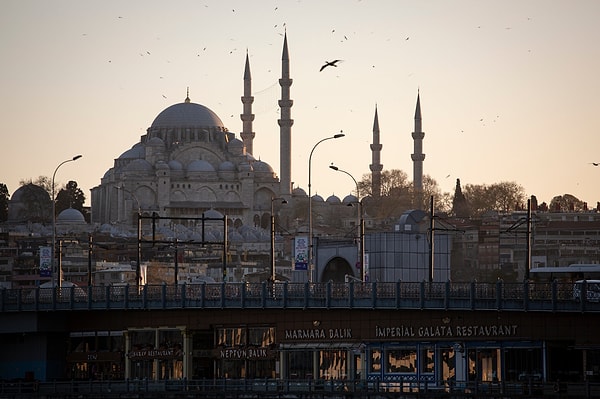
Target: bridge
<point x="527" y="296"/>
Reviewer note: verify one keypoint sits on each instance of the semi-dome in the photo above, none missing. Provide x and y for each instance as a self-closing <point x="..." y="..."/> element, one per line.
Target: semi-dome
<point x="187" y="114"/>
<point x="137" y="151"/>
<point x="139" y="165"/>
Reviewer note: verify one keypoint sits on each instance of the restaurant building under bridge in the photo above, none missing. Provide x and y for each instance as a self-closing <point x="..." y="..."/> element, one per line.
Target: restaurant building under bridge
<point x="390" y="333"/>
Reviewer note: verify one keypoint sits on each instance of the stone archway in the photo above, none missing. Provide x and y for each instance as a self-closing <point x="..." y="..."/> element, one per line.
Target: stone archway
<point x="336" y="270"/>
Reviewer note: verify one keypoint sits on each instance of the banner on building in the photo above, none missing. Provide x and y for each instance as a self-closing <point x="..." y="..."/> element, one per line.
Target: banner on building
<point x="301" y="253"/>
<point x="45" y="261"/>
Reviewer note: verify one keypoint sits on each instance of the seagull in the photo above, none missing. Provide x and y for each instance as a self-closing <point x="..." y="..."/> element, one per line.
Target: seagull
<point x="329" y="63"/>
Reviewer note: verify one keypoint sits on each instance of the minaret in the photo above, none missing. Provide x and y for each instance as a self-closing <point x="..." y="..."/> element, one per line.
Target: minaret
<point x="285" y="125"/>
<point x="376" y="166"/>
<point x="418" y="157"/>
<point x="247" y="117"/>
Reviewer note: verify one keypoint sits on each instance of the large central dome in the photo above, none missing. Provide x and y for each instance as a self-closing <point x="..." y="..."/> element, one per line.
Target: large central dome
<point x="187" y="114"/>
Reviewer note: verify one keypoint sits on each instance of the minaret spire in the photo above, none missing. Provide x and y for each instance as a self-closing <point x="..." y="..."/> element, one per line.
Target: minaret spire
<point x="285" y="124"/>
<point x="247" y="116"/>
<point x="418" y="157"/>
<point x="376" y="166"/>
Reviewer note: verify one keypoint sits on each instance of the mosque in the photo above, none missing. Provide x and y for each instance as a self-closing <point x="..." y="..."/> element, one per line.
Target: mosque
<point x="188" y="163"/>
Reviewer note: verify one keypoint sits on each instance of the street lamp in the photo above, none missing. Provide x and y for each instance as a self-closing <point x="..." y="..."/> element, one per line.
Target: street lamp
<point x="139" y="238"/>
<point x="137" y="201"/>
<point x="75" y="158"/>
<point x="360" y="224"/>
<point x="310" y="224"/>
<point x="283" y="201"/>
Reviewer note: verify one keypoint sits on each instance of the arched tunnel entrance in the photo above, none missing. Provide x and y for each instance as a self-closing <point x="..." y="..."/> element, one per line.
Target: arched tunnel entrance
<point x="336" y="270"/>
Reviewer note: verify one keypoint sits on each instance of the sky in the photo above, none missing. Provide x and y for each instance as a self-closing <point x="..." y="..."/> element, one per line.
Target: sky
<point x="509" y="89"/>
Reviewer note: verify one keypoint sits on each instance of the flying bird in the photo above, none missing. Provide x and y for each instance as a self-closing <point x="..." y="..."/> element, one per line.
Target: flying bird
<point x="595" y="163"/>
<point x="329" y="63"/>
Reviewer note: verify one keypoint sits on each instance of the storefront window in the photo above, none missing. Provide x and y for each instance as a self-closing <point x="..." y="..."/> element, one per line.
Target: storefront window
<point x="231" y="337"/>
<point x="375" y="364"/>
<point x="523" y="364"/>
<point x="262" y="337"/>
<point x="156" y="353"/>
<point x="401" y="360"/>
<point x="300" y="364"/>
<point x="427" y="359"/>
<point x="448" y="360"/>
<point x="246" y="352"/>
<point x="333" y="365"/>
<point x="484" y="364"/>
<point x="96" y="355"/>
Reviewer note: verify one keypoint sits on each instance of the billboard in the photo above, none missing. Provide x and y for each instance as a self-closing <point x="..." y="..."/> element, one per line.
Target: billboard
<point x="45" y="261"/>
<point x="301" y="253"/>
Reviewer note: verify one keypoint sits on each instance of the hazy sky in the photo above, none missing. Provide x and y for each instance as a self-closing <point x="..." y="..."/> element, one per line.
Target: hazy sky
<point x="510" y="89"/>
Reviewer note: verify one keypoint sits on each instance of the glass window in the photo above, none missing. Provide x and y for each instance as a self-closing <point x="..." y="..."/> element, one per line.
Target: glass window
<point x="262" y="337"/>
<point x="448" y="359"/>
<point x="231" y="337"/>
<point x="427" y="360"/>
<point x="523" y="364"/>
<point x="333" y="364"/>
<point x="300" y="364"/>
<point x="401" y="360"/>
<point x="375" y="366"/>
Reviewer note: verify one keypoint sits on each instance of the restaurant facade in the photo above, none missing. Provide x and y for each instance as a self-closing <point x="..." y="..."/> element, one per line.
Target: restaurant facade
<point x="387" y="346"/>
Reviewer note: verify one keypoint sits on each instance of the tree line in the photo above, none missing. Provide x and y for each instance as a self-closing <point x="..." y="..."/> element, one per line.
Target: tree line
<point x="67" y="196"/>
<point x="397" y="194"/>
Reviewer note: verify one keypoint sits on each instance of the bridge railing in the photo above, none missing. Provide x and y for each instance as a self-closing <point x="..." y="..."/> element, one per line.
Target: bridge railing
<point x="314" y="388"/>
<point x="552" y="296"/>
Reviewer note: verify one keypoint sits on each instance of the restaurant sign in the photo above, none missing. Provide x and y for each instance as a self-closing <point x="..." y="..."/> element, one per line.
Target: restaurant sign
<point x="150" y="354"/>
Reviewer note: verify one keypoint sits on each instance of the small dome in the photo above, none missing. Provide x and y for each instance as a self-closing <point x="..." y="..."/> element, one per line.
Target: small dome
<point x="187" y="114"/>
<point x="350" y="199"/>
<point x="70" y="215"/>
<point x="298" y="192"/>
<point x="175" y="165"/>
<point x="139" y="165"/>
<point x="137" y="151"/>
<point x="227" y="166"/>
<point x="332" y="199"/>
<point x="213" y="214"/>
<point x="317" y="198"/>
<point x="260" y="166"/>
<point x="200" y="165"/>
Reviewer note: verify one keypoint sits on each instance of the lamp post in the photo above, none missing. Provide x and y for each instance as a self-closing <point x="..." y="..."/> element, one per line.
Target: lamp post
<point x="310" y="224"/>
<point x="139" y="238"/>
<point x="283" y="201"/>
<point x="54" y="283"/>
<point x="360" y="225"/>
<point x="137" y="201"/>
